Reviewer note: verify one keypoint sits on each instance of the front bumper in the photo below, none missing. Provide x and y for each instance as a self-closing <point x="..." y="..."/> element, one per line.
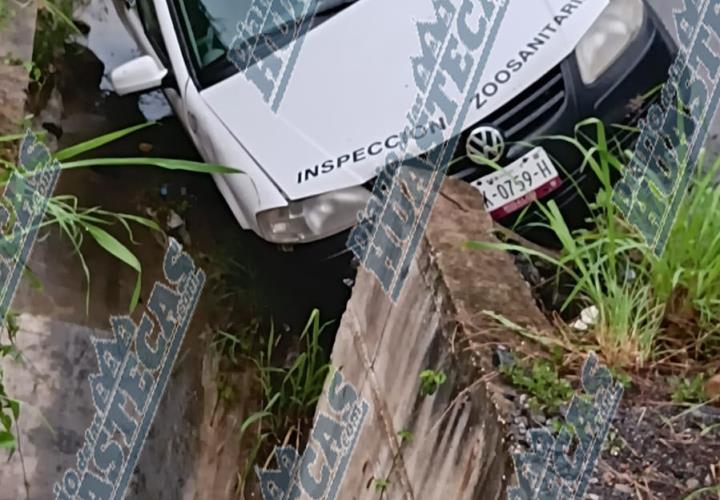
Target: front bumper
<point x="553" y="106"/>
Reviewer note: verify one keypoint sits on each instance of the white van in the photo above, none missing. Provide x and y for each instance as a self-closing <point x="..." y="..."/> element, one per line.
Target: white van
<point x="310" y="155"/>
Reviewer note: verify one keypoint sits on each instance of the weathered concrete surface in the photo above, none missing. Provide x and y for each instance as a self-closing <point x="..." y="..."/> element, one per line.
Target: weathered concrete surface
<point x="458" y="449"/>
<point x="57" y="357"/>
<point x="51" y="381"/>
<point x="16" y="44"/>
<point x="222" y="452"/>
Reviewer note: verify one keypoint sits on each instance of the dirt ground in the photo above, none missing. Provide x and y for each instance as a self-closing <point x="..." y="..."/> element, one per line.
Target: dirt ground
<point x="659" y="450"/>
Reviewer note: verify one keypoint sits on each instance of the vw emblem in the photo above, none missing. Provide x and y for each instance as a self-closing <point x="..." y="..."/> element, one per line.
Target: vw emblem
<point x="485" y="142"/>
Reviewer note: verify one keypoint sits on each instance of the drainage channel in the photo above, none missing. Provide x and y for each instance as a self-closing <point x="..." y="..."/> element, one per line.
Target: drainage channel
<point x="251" y="284"/>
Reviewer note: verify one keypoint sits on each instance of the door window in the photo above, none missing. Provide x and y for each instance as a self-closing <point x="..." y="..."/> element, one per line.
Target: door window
<point x="149" y="19"/>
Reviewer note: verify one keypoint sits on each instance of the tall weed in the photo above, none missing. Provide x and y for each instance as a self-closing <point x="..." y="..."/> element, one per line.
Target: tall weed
<point x="687" y="276"/>
<point x="638" y="296"/>
<point x="290" y="387"/>
<point x="76" y="222"/>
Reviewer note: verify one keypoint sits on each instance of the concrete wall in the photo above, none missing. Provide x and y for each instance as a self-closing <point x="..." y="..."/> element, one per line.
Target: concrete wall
<point x="16" y="43"/>
<point x="458" y="449"/>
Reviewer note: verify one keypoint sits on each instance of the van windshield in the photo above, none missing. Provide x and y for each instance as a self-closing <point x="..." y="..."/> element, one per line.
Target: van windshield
<point x="211" y="26"/>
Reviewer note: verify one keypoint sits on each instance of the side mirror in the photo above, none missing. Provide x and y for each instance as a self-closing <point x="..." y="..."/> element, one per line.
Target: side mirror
<point x="142" y="73"/>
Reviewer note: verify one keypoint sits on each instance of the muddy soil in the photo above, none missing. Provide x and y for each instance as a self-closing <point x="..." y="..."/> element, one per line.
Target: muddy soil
<point x="656" y="449"/>
<point x="659" y="450"/>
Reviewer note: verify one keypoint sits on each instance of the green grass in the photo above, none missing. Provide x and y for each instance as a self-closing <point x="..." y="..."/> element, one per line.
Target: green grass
<point x="9" y="407"/>
<point x="290" y="386"/>
<point x="53" y="27"/>
<point x="689" y="389"/>
<point x="649" y="308"/>
<point x="290" y="392"/>
<point x="430" y="381"/>
<point x="541" y="382"/>
<point x="687" y="277"/>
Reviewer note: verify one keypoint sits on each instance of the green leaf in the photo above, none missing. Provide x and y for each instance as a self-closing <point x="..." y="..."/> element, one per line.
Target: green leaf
<point x="120" y="251"/>
<point x="14" y="407"/>
<point x="6" y="421"/>
<point x="7" y="441"/>
<point x="97" y="142"/>
<point x="169" y="164"/>
<point x="143" y="221"/>
<point x="57" y="12"/>
<point x="35" y="282"/>
<point x="10" y="138"/>
<point x="252" y="419"/>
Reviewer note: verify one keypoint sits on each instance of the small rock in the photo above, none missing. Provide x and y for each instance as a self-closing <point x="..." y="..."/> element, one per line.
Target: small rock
<point x="588" y="317"/>
<point x="528" y="269"/>
<point x="630" y="275"/>
<point x="502" y="357"/>
<point x="712" y="387"/>
<point x="692" y="484"/>
<point x="538" y="418"/>
<point x="184" y="236"/>
<point x="174" y="221"/>
<point x="579" y="325"/>
<point x="522" y="400"/>
<point x="623" y="488"/>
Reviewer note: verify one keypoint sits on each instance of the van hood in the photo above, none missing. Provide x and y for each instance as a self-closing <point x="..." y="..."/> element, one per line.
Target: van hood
<point x="352" y="87"/>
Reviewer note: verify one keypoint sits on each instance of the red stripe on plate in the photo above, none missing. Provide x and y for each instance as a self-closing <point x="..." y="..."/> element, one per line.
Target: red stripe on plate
<point x="537" y="194"/>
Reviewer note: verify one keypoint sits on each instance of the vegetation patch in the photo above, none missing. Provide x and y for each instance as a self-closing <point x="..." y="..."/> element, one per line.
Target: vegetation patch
<point x="290" y="372"/>
<point x="652" y="320"/>
<point x="649" y="309"/>
<point x="547" y="390"/>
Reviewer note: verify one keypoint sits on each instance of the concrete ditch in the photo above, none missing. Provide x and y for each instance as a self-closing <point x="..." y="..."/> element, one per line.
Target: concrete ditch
<point x="458" y="448"/>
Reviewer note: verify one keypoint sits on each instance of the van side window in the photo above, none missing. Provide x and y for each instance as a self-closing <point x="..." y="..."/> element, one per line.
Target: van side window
<point x="149" y="19"/>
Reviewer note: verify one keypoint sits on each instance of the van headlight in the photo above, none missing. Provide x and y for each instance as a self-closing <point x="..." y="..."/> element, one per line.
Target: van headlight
<point x="608" y="37"/>
<point x="313" y="218"/>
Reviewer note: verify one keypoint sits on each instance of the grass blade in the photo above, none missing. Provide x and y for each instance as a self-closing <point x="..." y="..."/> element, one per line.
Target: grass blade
<point x="96" y="142"/>
<point x="120" y="251"/>
<point x="166" y="163"/>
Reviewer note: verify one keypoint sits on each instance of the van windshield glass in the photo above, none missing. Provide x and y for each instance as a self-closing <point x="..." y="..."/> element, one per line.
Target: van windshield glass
<point x="210" y="26"/>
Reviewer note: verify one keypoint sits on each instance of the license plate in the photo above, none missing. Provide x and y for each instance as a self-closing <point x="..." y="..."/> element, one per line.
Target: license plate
<point x="523" y="181"/>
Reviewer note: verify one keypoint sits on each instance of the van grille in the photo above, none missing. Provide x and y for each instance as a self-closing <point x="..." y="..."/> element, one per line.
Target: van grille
<point x="520" y="120"/>
<point x="534" y="107"/>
